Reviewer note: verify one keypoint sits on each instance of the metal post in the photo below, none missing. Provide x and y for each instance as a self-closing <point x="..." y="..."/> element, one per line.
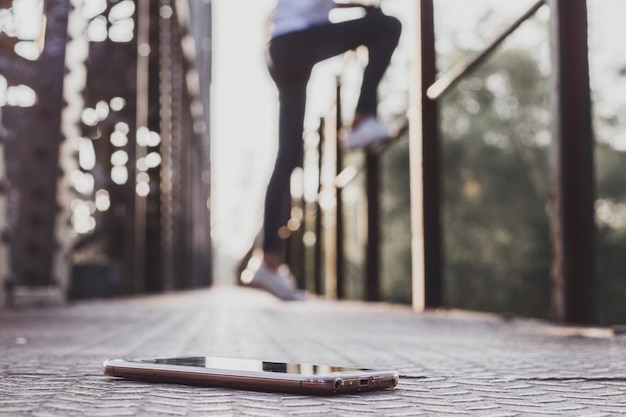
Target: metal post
<point x="372" y="260"/>
<point x="32" y="146"/>
<point x="296" y="233"/>
<point x="317" y="251"/>
<point x="573" y="230"/>
<point x="4" y="225"/>
<point x="167" y="157"/>
<point x="141" y="121"/>
<point x="339" y="201"/>
<point x="200" y="27"/>
<point x="153" y="264"/>
<point x="424" y="160"/>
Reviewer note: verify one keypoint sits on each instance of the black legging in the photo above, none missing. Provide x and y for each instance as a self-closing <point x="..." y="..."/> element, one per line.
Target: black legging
<point x="290" y="59"/>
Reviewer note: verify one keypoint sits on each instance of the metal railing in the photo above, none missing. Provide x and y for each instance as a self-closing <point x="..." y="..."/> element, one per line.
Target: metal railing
<point x="572" y="182"/>
<point x="119" y="200"/>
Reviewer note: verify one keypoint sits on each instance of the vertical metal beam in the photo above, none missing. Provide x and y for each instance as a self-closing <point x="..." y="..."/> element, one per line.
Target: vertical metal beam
<point x="178" y="157"/>
<point x="317" y="251"/>
<point x="573" y="230"/>
<point x="424" y="160"/>
<point x="4" y="224"/>
<point x="167" y="157"/>
<point x="33" y="153"/>
<point x="76" y="55"/>
<point x="153" y="265"/>
<point x="296" y="228"/>
<point x="372" y="256"/>
<point x="200" y="28"/>
<point x="339" y="201"/>
<point x="141" y="121"/>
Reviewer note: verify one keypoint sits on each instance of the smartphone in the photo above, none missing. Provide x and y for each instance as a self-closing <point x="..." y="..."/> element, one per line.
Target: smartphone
<point x="255" y="375"/>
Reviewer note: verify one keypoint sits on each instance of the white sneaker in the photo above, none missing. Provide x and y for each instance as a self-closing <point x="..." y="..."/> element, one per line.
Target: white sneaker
<point x="280" y="283"/>
<point x="368" y="132"/>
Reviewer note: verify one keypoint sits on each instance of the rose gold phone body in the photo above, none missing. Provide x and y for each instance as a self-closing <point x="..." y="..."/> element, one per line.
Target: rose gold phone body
<point x="253" y="375"/>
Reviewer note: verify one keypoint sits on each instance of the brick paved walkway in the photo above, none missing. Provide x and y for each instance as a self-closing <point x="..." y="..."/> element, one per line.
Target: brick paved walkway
<point x="451" y="363"/>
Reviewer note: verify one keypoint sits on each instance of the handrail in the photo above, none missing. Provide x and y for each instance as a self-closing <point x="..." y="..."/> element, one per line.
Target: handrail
<point x="344" y="175"/>
<point x="438" y="89"/>
<point x="443" y="84"/>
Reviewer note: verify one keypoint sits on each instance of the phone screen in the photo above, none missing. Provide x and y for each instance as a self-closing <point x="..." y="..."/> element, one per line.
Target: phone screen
<point x="252" y="365"/>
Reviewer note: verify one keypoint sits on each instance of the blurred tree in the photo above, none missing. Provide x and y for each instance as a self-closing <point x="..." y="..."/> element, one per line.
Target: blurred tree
<point x="494" y="127"/>
<point x="496" y="183"/>
<point x="611" y="222"/>
<point x="396" y="223"/>
<point x="495" y="138"/>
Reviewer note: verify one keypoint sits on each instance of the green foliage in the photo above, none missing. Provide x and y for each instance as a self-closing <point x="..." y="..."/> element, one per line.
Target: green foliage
<point x="611" y="236"/>
<point x="495" y="187"/>
<point x="494" y="192"/>
<point x="396" y="221"/>
<point x="495" y="137"/>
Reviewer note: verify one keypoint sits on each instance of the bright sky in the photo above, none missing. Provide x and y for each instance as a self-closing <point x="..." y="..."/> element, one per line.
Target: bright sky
<point x="245" y="102"/>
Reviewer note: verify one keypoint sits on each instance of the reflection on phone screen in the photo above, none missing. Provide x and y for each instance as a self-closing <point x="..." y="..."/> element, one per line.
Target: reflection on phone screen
<point x="253" y="365"/>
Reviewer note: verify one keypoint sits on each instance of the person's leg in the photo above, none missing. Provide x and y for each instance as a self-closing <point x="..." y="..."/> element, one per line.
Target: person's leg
<point x="380" y="49"/>
<point x="292" y="101"/>
<point x="270" y="274"/>
<point x="290" y="60"/>
<point x="378" y="32"/>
